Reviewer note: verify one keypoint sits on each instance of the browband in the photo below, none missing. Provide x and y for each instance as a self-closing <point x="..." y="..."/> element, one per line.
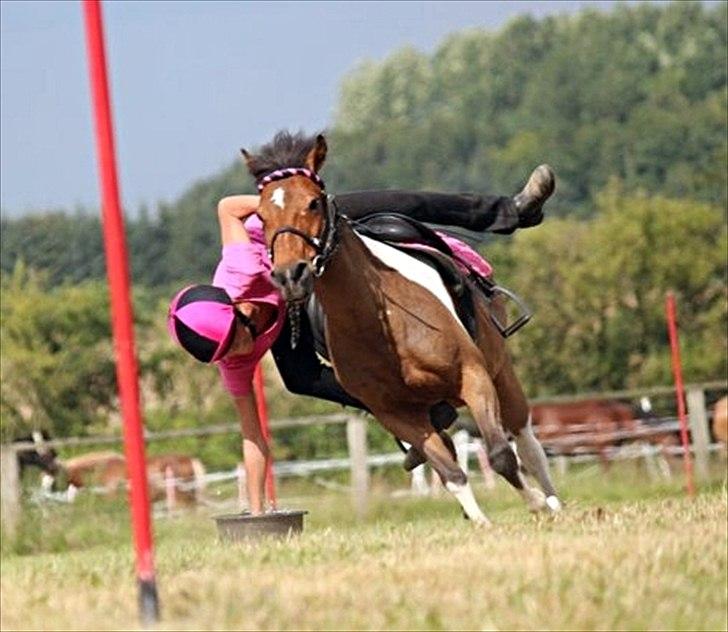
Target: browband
<point x="280" y="174"/>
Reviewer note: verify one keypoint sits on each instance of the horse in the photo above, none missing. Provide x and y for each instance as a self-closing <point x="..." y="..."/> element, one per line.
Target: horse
<point x="42" y="457"/>
<point x="394" y="339"/>
<point x="720" y="421"/>
<point x="595" y="426"/>
<point x="107" y="470"/>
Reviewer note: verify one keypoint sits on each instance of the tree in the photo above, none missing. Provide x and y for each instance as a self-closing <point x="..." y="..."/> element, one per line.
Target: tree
<point x="598" y="291"/>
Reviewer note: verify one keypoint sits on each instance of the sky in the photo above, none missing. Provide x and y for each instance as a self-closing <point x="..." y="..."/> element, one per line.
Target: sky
<point x="191" y="83"/>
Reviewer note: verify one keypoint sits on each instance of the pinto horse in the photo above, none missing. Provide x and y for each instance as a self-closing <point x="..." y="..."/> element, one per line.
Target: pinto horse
<point x="392" y="334"/>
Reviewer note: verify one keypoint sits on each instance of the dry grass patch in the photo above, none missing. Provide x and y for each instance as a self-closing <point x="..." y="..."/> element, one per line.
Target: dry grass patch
<point x="656" y="564"/>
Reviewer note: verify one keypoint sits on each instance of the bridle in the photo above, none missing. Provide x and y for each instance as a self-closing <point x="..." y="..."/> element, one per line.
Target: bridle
<point x="325" y="244"/>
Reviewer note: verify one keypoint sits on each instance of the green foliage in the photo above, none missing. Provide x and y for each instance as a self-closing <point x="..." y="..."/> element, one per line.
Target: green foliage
<point x="598" y="288"/>
<point x="638" y="94"/>
<point x="628" y="106"/>
<point x="57" y="366"/>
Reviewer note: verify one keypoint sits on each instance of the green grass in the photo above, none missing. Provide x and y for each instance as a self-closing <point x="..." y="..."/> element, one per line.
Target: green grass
<point x="626" y="554"/>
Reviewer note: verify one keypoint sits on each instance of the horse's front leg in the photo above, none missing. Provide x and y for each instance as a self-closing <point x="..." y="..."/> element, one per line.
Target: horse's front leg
<point x="416" y="429"/>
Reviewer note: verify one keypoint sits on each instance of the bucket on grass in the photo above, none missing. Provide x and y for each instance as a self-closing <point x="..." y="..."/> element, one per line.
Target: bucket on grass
<point x="243" y="526"/>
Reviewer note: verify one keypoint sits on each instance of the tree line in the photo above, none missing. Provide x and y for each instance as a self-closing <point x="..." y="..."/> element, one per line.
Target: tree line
<point x="628" y="106"/>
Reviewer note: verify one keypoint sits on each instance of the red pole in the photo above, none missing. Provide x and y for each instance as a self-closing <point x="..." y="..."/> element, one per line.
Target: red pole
<point x="671" y="313"/>
<point x="270" y="484"/>
<point x="122" y="319"/>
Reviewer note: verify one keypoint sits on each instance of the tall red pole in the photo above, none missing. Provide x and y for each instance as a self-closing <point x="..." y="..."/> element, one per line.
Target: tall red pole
<point x="122" y="319"/>
<point x="671" y="312"/>
<point x="259" y="390"/>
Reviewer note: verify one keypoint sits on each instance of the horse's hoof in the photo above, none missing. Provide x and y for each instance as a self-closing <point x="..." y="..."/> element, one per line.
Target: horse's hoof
<point x="537" y="501"/>
<point x="412" y="459"/>
<point x="554" y="504"/>
<point x="481" y="522"/>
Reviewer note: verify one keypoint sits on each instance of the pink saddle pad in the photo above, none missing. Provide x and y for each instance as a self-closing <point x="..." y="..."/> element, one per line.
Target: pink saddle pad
<point x="467" y="256"/>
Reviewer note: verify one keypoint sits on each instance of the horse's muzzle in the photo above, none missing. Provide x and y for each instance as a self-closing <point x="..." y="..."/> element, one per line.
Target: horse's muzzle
<point x="294" y="280"/>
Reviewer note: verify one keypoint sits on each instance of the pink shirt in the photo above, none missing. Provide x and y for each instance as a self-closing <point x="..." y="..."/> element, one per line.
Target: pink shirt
<point x="244" y="273"/>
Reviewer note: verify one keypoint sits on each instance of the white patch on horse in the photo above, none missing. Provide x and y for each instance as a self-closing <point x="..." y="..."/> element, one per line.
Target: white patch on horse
<point x="412" y="269"/>
<point x="464" y="495"/>
<point x="278" y="197"/>
<point x="46" y="482"/>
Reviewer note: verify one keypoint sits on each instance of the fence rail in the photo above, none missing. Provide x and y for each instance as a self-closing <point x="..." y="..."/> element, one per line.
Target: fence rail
<point x="359" y="461"/>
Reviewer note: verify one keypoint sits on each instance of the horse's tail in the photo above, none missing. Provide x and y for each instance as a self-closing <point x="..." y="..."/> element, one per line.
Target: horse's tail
<point x="199" y="478"/>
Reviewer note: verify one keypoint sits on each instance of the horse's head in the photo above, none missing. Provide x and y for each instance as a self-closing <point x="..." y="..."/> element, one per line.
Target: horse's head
<point x="293" y="208"/>
<point x="41" y="456"/>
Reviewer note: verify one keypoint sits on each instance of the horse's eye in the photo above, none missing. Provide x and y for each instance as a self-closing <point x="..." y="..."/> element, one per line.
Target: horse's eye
<point x="314" y="204"/>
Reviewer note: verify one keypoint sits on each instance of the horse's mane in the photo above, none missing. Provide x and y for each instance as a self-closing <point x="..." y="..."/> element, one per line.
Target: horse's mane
<point x="285" y="150"/>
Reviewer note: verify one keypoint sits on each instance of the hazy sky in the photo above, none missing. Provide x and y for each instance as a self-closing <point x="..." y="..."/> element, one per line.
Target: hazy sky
<point x="191" y="83"/>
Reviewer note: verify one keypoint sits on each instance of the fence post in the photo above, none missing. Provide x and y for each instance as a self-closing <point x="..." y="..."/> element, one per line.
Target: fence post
<point x="170" y="489"/>
<point x="698" y="419"/>
<point x="9" y="491"/>
<point x="356" y="438"/>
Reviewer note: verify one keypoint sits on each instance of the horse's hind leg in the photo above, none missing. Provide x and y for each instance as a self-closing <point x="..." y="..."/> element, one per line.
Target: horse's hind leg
<point x="415" y="429"/>
<point x="517" y="420"/>
<point x="478" y="392"/>
<point x="536" y="464"/>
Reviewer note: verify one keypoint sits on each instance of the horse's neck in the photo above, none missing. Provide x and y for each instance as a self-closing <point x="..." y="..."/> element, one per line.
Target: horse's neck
<point x="351" y="279"/>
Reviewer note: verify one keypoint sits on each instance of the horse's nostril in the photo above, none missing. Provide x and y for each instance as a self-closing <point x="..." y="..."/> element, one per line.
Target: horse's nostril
<point x="298" y="271"/>
<point x="279" y="277"/>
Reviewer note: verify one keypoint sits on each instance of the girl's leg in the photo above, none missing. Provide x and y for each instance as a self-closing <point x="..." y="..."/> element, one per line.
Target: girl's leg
<point x="492" y="213"/>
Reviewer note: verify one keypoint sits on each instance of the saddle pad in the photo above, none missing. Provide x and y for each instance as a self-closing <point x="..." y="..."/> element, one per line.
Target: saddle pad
<point x="468" y="256"/>
<point x="412" y="269"/>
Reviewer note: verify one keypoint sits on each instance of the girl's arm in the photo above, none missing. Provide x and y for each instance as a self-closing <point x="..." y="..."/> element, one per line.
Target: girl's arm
<point x="231" y="211"/>
<point x="256" y="452"/>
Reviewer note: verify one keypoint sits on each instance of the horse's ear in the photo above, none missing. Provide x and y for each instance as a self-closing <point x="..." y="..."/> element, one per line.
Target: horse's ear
<point x="316" y="157"/>
<point x="248" y="158"/>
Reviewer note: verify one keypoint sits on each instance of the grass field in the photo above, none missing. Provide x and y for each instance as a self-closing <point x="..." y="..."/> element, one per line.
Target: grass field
<point x="626" y="554"/>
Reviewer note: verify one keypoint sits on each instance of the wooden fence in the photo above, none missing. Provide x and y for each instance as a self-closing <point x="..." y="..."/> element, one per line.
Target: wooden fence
<point x="358" y="461"/>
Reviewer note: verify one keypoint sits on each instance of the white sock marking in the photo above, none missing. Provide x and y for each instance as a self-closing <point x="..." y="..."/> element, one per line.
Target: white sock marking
<point x="464" y="495"/>
<point x="553" y="503"/>
<point x="278" y="197"/>
<point x="46" y="482"/>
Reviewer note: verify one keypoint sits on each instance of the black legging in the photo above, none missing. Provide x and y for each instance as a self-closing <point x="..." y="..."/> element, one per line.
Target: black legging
<point x="300" y="368"/>
<point x="491" y="213"/>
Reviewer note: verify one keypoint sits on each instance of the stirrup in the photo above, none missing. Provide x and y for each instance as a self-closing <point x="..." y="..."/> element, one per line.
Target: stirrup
<point x="524" y="312"/>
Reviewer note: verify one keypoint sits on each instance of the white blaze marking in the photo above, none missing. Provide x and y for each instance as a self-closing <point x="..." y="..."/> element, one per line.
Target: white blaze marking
<point x="464" y="495"/>
<point x="278" y="196"/>
<point x="412" y="269"/>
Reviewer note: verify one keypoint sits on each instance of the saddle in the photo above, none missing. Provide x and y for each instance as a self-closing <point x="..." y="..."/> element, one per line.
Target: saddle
<point x="459" y="277"/>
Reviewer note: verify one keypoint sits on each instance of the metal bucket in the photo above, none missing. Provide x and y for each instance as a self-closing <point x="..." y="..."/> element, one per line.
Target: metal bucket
<point x="242" y="526"/>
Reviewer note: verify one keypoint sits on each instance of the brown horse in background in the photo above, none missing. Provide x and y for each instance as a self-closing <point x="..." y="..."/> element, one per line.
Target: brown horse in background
<point x="595" y="426"/>
<point x="392" y="343"/>
<point x="107" y="470"/>
<point x="720" y="421"/>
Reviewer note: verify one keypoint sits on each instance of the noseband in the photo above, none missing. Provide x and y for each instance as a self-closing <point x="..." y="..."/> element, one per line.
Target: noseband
<point x="324" y="245"/>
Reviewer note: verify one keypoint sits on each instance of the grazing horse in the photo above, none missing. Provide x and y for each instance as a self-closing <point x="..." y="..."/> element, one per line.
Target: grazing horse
<point x="42" y="457"/>
<point x="108" y="471"/>
<point x="392" y="333"/>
